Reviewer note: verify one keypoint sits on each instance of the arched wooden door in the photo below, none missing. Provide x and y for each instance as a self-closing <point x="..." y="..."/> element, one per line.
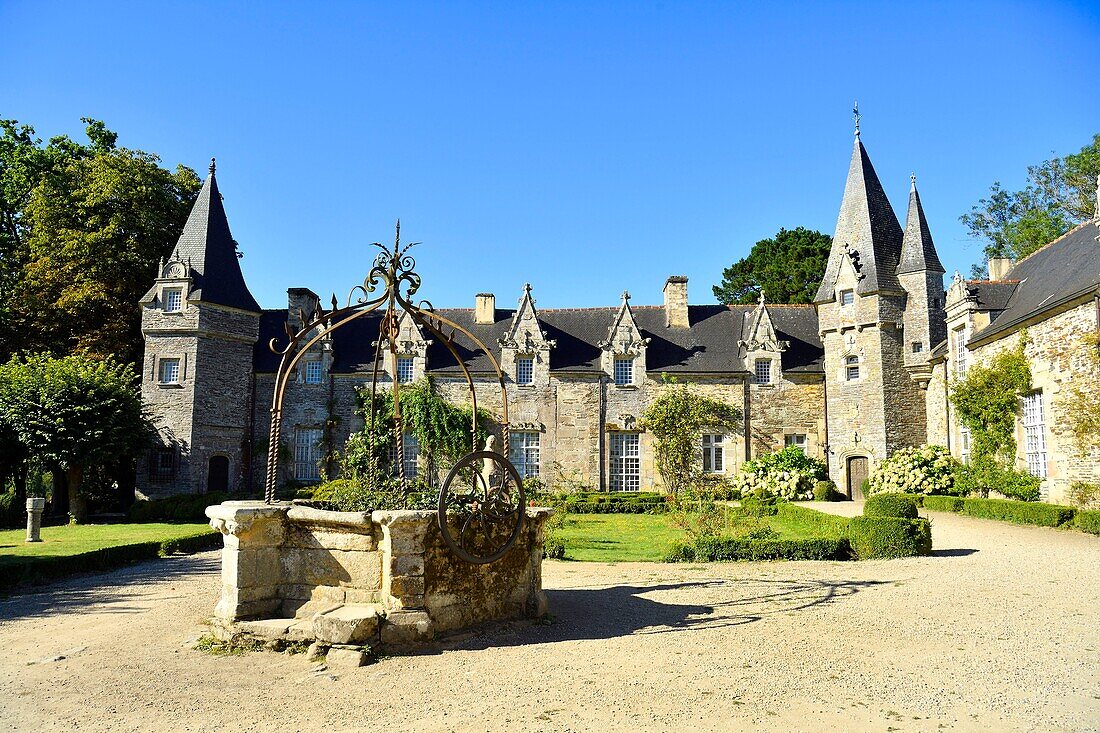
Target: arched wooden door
<point x="857" y="474"/>
<point x="217" y="475"/>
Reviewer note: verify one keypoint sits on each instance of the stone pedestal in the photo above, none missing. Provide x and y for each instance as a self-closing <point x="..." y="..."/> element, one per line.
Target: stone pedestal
<point x="35" y="506"/>
<point x="251" y="568"/>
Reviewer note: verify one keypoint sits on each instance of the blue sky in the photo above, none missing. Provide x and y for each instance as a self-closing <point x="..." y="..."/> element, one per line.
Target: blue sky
<point x="585" y="147"/>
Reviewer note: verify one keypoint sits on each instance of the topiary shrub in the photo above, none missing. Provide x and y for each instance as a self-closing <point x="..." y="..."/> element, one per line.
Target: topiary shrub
<point x="923" y="469"/>
<point x="789" y="474"/>
<point x="1020" y="512"/>
<point x="943" y="503"/>
<point x="718" y="549"/>
<point x="890" y="505"/>
<point x="826" y="491"/>
<point x="889" y="537"/>
<point x="830" y="525"/>
<point x="1089" y="521"/>
<point x="179" y="508"/>
<point x="756" y="506"/>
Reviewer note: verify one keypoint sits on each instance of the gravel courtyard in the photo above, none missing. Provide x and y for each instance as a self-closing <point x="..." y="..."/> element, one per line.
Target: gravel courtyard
<point x="999" y="631"/>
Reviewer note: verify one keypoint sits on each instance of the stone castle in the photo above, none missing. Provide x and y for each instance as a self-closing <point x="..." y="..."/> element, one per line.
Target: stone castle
<point x="861" y="372"/>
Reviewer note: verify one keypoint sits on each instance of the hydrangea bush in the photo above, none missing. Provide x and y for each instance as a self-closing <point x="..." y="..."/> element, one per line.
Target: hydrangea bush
<point x="789" y="474"/>
<point x="922" y="469"/>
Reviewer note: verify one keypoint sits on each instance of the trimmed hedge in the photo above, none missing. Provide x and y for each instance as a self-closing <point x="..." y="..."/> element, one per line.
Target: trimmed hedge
<point x="37" y="569"/>
<point x="615" y="503"/>
<point x="1088" y="521"/>
<point x="754" y="506"/>
<point x="179" y="508"/>
<point x="889" y="537"/>
<point x="890" y="505"/>
<point x="554" y="548"/>
<point x="833" y="525"/>
<point x="943" y="503"/>
<point x="1020" y="512"/>
<point x="714" y="549"/>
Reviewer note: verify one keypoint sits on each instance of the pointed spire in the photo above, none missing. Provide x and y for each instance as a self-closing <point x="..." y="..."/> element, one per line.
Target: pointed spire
<point x="208" y="247"/>
<point x="918" y="252"/>
<point x="867" y="231"/>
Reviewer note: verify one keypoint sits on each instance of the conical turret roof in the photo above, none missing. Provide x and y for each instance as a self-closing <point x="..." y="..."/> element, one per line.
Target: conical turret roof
<point x="866" y="230"/>
<point x="207" y="245"/>
<point x="917" y="249"/>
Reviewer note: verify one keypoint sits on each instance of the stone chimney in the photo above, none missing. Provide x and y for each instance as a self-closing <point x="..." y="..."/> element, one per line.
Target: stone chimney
<point x="301" y="304"/>
<point x="485" y="309"/>
<point x="676" y="302"/>
<point x="999" y="267"/>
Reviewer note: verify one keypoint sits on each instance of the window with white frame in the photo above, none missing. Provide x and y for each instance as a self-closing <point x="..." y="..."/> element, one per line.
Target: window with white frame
<point x="404" y="369"/>
<point x="1035" y="441"/>
<point x="625" y="462"/>
<point x="624" y="371"/>
<point x="410" y="446"/>
<point x="847" y="297"/>
<point x="964" y="444"/>
<point x="173" y="300"/>
<point x="523" y="452"/>
<point x="851" y="368"/>
<point x="307" y="454"/>
<point x="525" y="370"/>
<point x="169" y="371"/>
<point x="313" y="372"/>
<point x="958" y="347"/>
<point x="762" y="371"/>
<point x="714" y="453"/>
<point x="798" y="440"/>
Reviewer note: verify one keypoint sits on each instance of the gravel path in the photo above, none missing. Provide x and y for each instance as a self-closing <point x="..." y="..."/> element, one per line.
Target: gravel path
<point x="997" y="632"/>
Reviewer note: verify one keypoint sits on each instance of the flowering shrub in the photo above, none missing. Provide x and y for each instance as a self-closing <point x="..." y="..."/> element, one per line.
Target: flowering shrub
<point x="788" y="473"/>
<point x="922" y="469"/>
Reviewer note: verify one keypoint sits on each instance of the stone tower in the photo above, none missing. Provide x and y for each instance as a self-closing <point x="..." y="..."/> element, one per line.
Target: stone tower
<point x="200" y="323"/>
<point x="864" y="312"/>
<point x="921" y="275"/>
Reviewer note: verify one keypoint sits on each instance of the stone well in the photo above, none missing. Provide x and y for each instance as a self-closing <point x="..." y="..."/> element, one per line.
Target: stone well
<point x="353" y="579"/>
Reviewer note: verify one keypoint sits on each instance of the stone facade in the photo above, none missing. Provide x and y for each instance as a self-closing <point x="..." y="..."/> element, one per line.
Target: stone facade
<point x="854" y="377"/>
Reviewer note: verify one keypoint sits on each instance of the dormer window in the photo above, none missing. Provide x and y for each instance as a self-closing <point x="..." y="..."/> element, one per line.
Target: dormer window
<point x="847" y="297"/>
<point x="624" y="371"/>
<point x="851" y="368"/>
<point x="404" y="369"/>
<point x="525" y="370"/>
<point x="169" y="371"/>
<point x="313" y="372"/>
<point x="762" y="371"/>
<point x="173" y="300"/>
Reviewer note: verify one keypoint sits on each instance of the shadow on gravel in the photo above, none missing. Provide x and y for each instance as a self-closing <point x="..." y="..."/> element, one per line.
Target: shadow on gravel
<point x="954" y="552"/>
<point x="110" y="591"/>
<point x="624" y="610"/>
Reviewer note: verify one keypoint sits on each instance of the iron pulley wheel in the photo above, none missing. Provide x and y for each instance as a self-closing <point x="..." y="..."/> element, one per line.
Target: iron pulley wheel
<point x="481" y="507"/>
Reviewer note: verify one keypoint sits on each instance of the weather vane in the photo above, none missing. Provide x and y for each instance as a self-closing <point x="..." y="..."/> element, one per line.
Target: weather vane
<point x="855" y="115"/>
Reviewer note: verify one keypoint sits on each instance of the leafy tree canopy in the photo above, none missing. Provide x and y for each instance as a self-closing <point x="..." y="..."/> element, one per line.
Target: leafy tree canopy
<point x="73" y="414"/>
<point x="788" y="268"/>
<point x="1060" y="193"/>
<point x="82" y="227"/>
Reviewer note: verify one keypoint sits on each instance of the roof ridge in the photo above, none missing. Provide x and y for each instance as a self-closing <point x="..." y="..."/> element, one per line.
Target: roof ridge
<point x="1053" y="242"/>
<point x="993" y="282"/>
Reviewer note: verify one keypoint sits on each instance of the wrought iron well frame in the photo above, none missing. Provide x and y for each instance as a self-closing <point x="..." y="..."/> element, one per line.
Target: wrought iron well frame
<point x="394" y="272"/>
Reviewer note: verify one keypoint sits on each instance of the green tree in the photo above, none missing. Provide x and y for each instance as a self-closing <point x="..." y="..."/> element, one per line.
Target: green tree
<point x="1060" y="193"/>
<point x="788" y="268"/>
<point x="676" y="419"/>
<point x="74" y="415"/>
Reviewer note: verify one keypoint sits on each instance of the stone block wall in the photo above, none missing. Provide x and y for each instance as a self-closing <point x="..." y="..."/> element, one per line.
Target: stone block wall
<point x="291" y="568"/>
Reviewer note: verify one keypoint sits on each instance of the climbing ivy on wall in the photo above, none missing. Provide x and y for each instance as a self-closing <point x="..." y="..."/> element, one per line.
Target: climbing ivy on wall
<point x="1082" y="405"/>
<point x="987" y="400"/>
<point x="676" y="419"/>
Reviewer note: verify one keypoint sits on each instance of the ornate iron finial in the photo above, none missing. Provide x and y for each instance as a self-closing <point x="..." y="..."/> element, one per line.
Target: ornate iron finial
<point x="527" y="288"/>
<point x="213" y="165"/>
<point x="626" y="295"/>
<point x="855" y="115"/>
<point x="397" y="237"/>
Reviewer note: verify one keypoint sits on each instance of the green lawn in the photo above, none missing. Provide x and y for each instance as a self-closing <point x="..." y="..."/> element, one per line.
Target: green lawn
<point x="646" y="537"/>
<point x="79" y="548"/>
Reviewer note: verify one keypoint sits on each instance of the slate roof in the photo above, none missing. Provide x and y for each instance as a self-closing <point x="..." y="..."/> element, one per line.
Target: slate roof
<point x="918" y="252"/>
<point x="708" y="347"/>
<point x="991" y="295"/>
<point x="207" y="243"/>
<point x="868" y="226"/>
<point x="1065" y="269"/>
